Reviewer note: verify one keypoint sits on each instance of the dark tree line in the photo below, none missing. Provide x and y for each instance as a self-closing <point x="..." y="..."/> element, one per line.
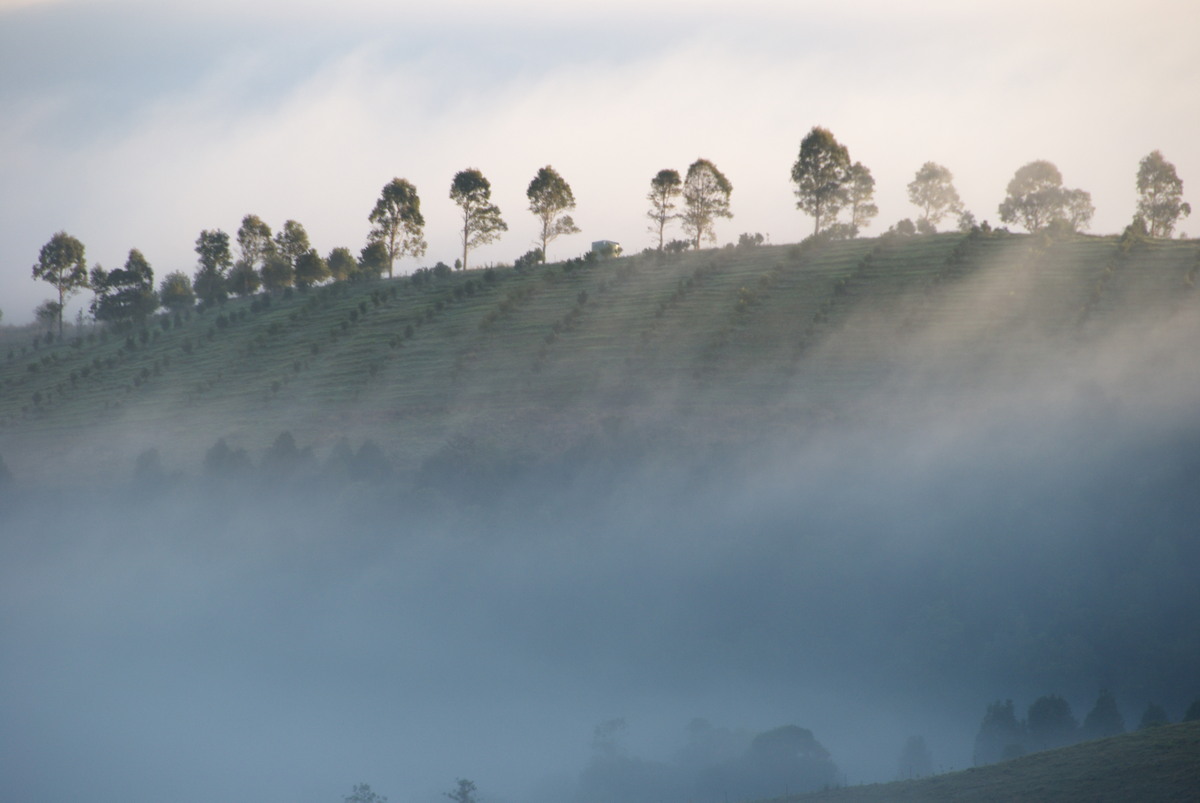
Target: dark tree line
<point x="1050" y="723"/>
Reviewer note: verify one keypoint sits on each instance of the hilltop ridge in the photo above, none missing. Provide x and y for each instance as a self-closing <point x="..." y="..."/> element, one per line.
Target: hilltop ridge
<point x="734" y="340"/>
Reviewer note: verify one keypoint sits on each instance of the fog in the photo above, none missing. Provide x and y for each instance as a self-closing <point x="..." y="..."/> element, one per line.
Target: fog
<point x="1010" y="525"/>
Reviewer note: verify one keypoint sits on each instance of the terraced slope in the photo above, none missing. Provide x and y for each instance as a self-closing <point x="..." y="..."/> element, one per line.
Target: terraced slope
<point x="697" y="345"/>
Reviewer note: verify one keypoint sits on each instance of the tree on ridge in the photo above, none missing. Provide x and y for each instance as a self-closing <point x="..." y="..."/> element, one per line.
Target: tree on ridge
<point x="820" y="173"/>
<point x="665" y="189"/>
<point x="482" y="223"/>
<point x="550" y="198"/>
<point x="1160" y="195"/>
<point x="1036" y="199"/>
<point x="397" y="222"/>
<point x="706" y="194"/>
<point x="61" y="263"/>
<point x="932" y="191"/>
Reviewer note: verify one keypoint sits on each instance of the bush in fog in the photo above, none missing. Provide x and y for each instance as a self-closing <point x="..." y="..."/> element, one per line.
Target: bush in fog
<point x="362" y="794"/>
<point x="1104" y="719"/>
<point x="1050" y="723"/>
<point x="1153" y="716"/>
<point x="221" y="461"/>
<point x="1000" y="735"/>
<point x="915" y="759"/>
<point x="463" y="792"/>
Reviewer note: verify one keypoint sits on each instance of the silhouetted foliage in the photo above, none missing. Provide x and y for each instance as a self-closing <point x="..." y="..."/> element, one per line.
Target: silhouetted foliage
<point x="665" y="189"/>
<point x="1050" y="723"/>
<point x="915" y="759"/>
<point x="362" y="794"/>
<point x="1036" y="198"/>
<point x="529" y="259"/>
<point x="481" y="220"/>
<point x="222" y="462"/>
<point x="397" y="222"/>
<point x="126" y="295"/>
<point x="706" y="194"/>
<point x="61" y="263"/>
<point x="1104" y="719"/>
<point x="550" y="199"/>
<point x="1000" y="735"/>
<point x="176" y="293"/>
<point x="464" y="792"/>
<point x="1160" y="195"/>
<point x="1153" y="716"/>
<point x="821" y="173"/>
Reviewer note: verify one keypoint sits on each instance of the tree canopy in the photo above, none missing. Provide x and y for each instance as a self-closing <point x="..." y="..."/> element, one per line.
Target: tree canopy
<point x="342" y="265"/>
<point x="175" y="292"/>
<point x="932" y="191"/>
<point x="311" y="268"/>
<point x="706" y="194"/>
<point x="1160" y="195"/>
<point x="125" y="295"/>
<point x="481" y="219"/>
<point x="1000" y="735"/>
<point x="1036" y="199"/>
<point x="665" y="189"/>
<point x="860" y="196"/>
<point x="1104" y="719"/>
<point x="820" y="174"/>
<point x="209" y="281"/>
<point x="397" y="222"/>
<point x="254" y="240"/>
<point x="62" y="263"/>
<point x="550" y="198"/>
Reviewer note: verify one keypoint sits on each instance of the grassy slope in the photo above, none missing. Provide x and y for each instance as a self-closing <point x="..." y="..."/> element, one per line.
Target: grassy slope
<point x="696" y="345"/>
<point x="1159" y="764"/>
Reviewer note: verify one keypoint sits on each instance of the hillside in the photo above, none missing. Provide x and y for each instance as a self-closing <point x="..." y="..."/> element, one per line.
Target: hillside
<point x="695" y="351"/>
<point x="1157" y="764"/>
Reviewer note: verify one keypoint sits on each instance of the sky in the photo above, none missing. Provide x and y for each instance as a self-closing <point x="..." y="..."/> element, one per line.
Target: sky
<point x="133" y="124"/>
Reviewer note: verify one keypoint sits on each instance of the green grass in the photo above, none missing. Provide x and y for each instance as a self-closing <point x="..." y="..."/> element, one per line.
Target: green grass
<point x="1158" y="764"/>
<point x="544" y="359"/>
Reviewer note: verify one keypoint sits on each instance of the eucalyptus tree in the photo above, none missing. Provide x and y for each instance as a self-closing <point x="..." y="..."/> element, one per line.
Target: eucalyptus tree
<point x="372" y="260"/>
<point x="291" y="242"/>
<point x="665" y="189"/>
<point x="311" y="268"/>
<point x="125" y="295"/>
<point x="210" y="278"/>
<point x="397" y="222"/>
<point x="550" y="199"/>
<point x="481" y="221"/>
<point x="254" y="240"/>
<point x="821" y="174"/>
<point x="706" y="194"/>
<point x="175" y="292"/>
<point x="1036" y="198"/>
<point x="1160" y="195"/>
<point x="61" y="263"/>
<point x="255" y="244"/>
<point x="860" y="196"/>
<point x="932" y="191"/>
<point x="341" y="264"/>
<point x="278" y="272"/>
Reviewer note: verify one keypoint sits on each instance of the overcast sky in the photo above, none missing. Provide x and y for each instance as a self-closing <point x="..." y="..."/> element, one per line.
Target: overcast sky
<point x="134" y="124"/>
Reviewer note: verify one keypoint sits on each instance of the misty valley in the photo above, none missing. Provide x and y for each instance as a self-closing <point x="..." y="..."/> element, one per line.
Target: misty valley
<point x="725" y="525"/>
